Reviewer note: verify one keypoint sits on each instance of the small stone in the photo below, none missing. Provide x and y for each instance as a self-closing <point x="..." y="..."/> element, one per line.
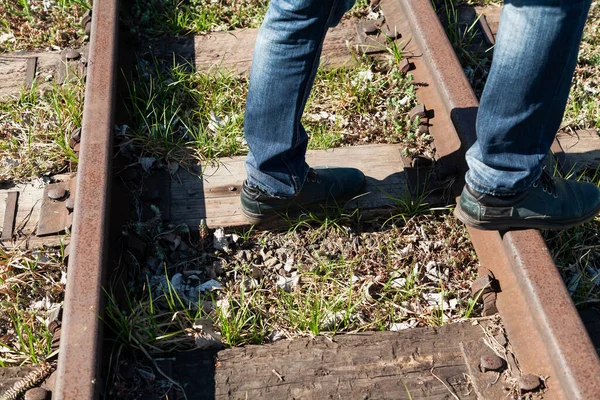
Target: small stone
<point x="370" y="28"/>
<point x="36" y="394"/>
<point x="70" y="204"/>
<point x="57" y="193"/>
<point x="287" y="284"/>
<point x="147" y="163"/>
<point x="232" y="188"/>
<point x="491" y="362"/>
<point x="177" y="282"/>
<point x="529" y="383"/>
<point x="271" y="262"/>
<point x="398" y="283"/>
<point x="210" y="285"/>
<point x="400" y="326"/>
<point x="72" y="55"/>
<point x="256" y="273"/>
<point x="76" y="135"/>
<point x="250" y="283"/>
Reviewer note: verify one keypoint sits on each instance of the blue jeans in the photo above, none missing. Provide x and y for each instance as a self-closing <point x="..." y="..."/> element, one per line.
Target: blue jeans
<point x="524" y="99"/>
<point x="286" y="59"/>
<point x="521" y="107"/>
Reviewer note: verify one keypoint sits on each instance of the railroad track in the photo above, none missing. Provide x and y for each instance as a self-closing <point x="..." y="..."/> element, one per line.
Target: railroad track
<point x="543" y="326"/>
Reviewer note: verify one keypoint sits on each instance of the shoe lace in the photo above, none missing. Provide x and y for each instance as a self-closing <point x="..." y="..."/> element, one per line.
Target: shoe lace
<point x="547" y="183"/>
<point x="312" y="176"/>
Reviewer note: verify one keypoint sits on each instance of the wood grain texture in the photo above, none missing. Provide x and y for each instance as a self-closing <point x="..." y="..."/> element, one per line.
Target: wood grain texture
<point x="10" y="213"/>
<point x="371" y="365"/>
<point x="492" y="14"/>
<point x="28" y="214"/>
<point x="51" y="68"/>
<point x="13" y="71"/>
<point x="214" y="196"/>
<point x="233" y="50"/>
<point x="577" y="150"/>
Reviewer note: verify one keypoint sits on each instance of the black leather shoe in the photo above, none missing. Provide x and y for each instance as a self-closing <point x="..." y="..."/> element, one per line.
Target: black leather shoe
<point x="325" y="187"/>
<point x="551" y="203"/>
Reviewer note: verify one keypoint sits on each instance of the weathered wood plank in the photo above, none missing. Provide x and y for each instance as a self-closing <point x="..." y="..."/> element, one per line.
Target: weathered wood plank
<point x="492" y="14"/>
<point x="577" y="150"/>
<point x="50" y="68"/>
<point x="10" y="213"/>
<point x="13" y="71"/>
<point x="28" y="213"/>
<point x="372" y="365"/>
<point x="233" y="50"/>
<point x="215" y="196"/>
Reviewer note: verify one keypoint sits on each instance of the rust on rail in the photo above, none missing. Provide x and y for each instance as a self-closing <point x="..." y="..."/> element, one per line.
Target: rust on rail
<point x="79" y="359"/>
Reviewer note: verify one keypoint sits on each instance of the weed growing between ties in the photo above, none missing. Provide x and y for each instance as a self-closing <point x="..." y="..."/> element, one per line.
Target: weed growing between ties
<point x="583" y="108"/>
<point x="35" y="130"/>
<point x="473" y="53"/>
<point x="32" y="286"/>
<point x="186" y="117"/>
<point x="176" y="17"/>
<point x="34" y="24"/>
<point x="322" y="276"/>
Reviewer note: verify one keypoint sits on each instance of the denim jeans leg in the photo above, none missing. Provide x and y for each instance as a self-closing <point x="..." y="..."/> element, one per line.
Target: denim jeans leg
<point x="286" y="59"/>
<point x="525" y="96"/>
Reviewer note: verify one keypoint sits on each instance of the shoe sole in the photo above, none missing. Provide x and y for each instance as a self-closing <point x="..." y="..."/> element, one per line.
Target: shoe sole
<point x="522" y="223"/>
<point x="281" y="218"/>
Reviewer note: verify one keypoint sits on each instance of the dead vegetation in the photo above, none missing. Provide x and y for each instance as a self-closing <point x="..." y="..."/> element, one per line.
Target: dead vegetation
<point x="41" y="24"/>
<point x="31" y="290"/>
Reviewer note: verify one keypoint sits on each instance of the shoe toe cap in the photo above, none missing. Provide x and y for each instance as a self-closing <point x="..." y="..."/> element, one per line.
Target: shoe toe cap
<point x="351" y="180"/>
<point x="590" y="198"/>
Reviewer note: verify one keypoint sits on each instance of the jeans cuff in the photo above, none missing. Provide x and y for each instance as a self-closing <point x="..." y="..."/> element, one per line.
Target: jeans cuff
<point x="257" y="185"/>
<point x="523" y="185"/>
<point x="482" y="188"/>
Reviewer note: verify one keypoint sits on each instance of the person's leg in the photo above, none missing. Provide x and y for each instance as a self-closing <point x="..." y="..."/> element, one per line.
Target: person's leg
<point x="526" y="93"/>
<point x="520" y="112"/>
<point x="284" y="65"/>
<point x="285" y="61"/>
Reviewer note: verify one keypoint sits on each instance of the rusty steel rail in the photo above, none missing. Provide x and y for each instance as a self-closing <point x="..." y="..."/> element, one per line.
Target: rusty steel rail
<point x="543" y="325"/>
<point x="78" y="373"/>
